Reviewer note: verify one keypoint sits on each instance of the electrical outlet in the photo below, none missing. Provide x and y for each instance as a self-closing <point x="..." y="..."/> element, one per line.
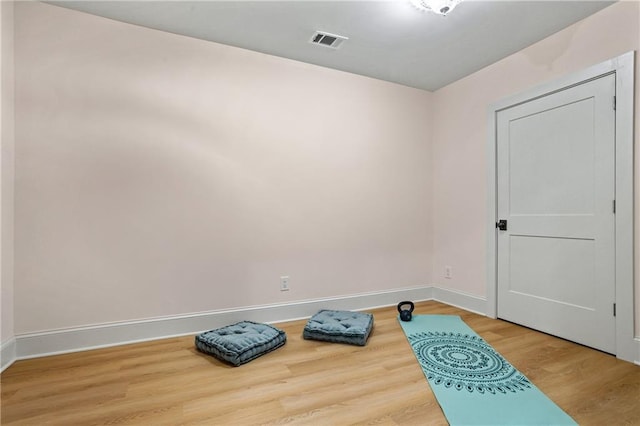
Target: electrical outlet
<point x="448" y="272"/>
<point x="284" y="283"/>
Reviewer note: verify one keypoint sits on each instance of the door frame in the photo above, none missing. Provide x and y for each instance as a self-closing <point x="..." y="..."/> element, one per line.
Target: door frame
<point x="627" y="347"/>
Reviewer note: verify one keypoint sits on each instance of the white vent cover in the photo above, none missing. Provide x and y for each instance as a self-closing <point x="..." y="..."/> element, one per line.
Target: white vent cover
<point x="331" y="41"/>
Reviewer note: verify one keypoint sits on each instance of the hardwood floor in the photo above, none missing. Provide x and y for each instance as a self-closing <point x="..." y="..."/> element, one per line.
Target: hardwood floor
<point x="305" y="382"/>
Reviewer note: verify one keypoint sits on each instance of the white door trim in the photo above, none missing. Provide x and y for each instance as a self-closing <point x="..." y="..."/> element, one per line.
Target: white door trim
<point x="623" y="67"/>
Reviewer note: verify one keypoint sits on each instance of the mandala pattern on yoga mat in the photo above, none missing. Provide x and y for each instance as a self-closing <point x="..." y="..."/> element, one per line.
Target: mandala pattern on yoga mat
<point x="463" y="361"/>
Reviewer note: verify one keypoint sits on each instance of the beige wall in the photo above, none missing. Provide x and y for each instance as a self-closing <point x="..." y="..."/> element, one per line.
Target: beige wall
<point x="460" y="136"/>
<point x="161" y="175"/>
<point x="6" y="171"/>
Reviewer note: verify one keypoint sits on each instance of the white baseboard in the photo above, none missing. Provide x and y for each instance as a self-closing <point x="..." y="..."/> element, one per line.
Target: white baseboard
<point x="7" y="353"/>
<point x="461" y="300"/>
<point x="105" y="335"/>
<point x="100" y="336"/>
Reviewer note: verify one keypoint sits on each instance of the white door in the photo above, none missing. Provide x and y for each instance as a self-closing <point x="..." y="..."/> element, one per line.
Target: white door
<point x="556" y="186"/>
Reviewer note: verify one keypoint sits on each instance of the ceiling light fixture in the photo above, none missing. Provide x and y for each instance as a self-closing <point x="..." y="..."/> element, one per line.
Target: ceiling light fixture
<point x="441" y="7"/>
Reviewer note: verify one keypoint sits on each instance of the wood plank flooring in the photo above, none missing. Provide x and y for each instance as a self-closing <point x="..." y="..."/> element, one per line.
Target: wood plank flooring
<point x="167" y="382"/>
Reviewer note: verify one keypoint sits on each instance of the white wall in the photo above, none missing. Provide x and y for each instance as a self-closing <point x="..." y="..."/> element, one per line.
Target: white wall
<point x="460" y="136"/>
<point x="6" y="175"/>
<point x="161" y="175"/>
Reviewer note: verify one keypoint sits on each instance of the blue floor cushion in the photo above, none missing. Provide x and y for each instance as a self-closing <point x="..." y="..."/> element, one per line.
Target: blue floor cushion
<point x="241" y="342"/>
<point x="339" y="327"/>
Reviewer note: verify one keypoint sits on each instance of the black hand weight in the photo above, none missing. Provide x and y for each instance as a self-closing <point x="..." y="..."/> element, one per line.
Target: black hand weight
<point x="405" y="314"/>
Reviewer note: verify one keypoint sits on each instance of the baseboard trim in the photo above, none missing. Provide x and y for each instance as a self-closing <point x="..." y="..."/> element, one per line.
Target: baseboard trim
<point x="461" y="300"/>
<point x="56" y="342"/>
<point x="7" y="353"/>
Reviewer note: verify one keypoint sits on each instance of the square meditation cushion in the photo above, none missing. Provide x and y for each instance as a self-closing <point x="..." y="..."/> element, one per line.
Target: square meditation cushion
<point x="339" y="327"/>
<point x="241" y="342"/>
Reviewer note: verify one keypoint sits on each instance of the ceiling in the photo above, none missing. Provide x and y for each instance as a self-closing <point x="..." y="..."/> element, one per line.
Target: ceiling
<point x="388" y="40"/>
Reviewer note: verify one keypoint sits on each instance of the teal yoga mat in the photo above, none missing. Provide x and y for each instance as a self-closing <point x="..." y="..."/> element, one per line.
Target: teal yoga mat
<point x="472" y="382"/>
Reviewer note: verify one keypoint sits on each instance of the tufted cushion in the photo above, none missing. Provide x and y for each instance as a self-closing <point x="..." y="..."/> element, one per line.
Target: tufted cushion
<point x="339" y="327"/>
<point x="242" y="342"/>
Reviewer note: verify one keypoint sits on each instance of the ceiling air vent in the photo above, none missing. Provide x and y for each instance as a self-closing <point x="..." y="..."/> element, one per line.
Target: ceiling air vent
<point x="332" y="41"/>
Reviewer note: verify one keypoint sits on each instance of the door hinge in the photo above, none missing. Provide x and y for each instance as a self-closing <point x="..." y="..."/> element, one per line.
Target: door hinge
<point x="614" y="103"/>
<point x="614" y="309"/>
<point x="614" y="206"/>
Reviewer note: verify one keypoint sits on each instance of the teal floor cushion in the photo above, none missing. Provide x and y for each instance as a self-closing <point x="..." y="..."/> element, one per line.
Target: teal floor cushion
<point x="339" y="327"/>
<point x="240" y="343"/>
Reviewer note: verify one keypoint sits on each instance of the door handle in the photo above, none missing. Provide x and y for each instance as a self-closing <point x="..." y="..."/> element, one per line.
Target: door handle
<point x="501" y="225"/>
